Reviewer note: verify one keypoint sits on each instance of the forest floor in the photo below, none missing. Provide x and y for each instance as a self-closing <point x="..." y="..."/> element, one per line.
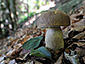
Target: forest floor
<point x="12" y="51"/>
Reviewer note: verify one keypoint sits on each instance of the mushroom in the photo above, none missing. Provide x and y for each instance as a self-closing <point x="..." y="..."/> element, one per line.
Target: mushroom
<point x="52" y="21"/>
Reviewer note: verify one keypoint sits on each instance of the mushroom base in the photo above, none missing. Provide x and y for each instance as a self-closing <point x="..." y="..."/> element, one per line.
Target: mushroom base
<point x="54" y="38"/>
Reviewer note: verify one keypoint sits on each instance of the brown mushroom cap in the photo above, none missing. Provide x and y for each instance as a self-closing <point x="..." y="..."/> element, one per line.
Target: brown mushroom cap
<point x="53" y="19"/>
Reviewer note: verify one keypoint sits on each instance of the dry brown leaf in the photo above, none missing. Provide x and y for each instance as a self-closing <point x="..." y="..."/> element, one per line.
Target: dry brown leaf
<point x="80" y="43"/>
<point x="84" y="59"/>
<point x="80" y="51"/>
<point x="80" y="23"/>
<point x="67" y="50"/>
<point x="25" y="39"/>
<point x="79" y="28"/>
<point x="59" y="61"/>
<point x="80" y="36"/>
<point x="76" y="17"/>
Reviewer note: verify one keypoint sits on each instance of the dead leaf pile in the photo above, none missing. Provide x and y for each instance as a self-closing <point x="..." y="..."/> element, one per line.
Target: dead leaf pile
<point x="74" y="38"/>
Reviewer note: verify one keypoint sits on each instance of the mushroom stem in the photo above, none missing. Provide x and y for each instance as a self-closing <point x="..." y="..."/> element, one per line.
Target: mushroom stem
<point x="54" y="38"/>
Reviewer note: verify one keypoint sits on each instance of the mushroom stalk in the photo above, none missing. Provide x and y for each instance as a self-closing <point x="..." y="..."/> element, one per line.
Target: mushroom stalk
<point x="54" y="38"/>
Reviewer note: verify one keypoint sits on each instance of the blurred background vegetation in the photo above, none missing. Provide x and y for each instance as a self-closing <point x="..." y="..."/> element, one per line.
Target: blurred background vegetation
<point x="15" y="13"/>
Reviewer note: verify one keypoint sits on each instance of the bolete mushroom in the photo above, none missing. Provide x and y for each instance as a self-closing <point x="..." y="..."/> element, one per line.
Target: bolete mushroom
<point x="52" y="21"/>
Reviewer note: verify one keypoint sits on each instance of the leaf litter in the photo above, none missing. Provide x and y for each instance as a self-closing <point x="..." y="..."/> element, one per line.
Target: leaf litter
<point x="74" y="38"/>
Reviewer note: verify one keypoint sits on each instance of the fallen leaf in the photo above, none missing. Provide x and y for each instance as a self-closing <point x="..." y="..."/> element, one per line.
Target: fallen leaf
<point x="32" y="43"/>
<point x="42" y="52"/>
<point x="80" y="51"/>
<point x="25" y="39"/>
<point x="80" y="35"/>
<point x="84" y="59"/>
<point x="12" y="62"/>
<point x="76" y="17"/>
<point x="60" y="59"/>
<point x="72" y="58"/>
<point x="78" y="24"/>
<point x="79" y="28"/>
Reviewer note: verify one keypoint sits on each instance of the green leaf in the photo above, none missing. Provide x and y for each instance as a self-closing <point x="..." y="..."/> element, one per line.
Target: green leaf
<point x="31" y="14"/>
<point x="36" y="53"/>
<point x="42" y="52"/>
<point x="23" y="18"/>
<point x="32" y="43"/>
